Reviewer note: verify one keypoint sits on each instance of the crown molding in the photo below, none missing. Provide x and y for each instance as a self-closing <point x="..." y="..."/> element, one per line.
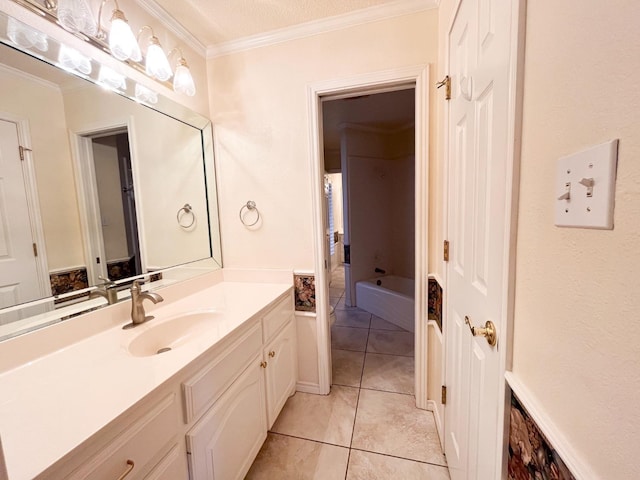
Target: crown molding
<point x="173" y="26"/>
<point x="29" y="77"/>
<point x="315" y="27"/>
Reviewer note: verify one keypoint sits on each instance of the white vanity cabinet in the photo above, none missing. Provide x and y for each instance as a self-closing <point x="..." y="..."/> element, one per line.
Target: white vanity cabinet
<point x="280" y="360"/>
<point x="146" y="446"/>
<point x="209" y="420"/>
<point x="224" y="442"/>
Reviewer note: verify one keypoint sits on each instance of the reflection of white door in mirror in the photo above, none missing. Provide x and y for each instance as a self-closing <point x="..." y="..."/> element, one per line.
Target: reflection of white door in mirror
<point x="19" y="278"/>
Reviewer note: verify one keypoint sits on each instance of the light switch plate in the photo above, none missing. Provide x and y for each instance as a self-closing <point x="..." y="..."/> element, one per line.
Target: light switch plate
<point x="587" y="207"/>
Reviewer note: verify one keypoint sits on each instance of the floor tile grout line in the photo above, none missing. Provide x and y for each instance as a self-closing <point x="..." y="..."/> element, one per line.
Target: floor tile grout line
<point x="355" y="416"/>
<point x="400" y="458"/>
<point x="307" y="439"/>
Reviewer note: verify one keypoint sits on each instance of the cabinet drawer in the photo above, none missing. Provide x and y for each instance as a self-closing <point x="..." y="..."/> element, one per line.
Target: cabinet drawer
<point x="149" y="434"/>
<point x="277" y="317"/>
<point x="202" y="390"/>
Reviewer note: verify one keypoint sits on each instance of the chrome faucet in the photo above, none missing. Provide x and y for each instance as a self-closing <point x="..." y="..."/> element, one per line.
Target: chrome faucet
<point x="137" y="308"/>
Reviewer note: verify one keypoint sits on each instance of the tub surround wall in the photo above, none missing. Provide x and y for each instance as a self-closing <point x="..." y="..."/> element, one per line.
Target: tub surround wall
<point x="379" y="207"/>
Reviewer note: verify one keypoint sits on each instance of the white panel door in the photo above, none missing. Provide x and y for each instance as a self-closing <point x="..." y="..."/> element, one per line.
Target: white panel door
<point x="479" y="196"/>
<point x="18" y="272"/>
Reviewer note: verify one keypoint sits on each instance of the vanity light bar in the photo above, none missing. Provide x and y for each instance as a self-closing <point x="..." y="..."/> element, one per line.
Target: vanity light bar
<point x="122" y="44"/>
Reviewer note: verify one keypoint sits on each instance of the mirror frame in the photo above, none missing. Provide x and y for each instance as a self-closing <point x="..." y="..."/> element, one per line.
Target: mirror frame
<point x="24" y="12"/>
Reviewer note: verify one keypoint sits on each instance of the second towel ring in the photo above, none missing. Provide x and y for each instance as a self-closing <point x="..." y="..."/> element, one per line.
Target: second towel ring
<point x="187" y="210"/>
<point x="250" y="206"/>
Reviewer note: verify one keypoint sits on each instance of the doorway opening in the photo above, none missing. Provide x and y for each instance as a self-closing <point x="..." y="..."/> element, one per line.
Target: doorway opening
<point x="116" y="200"/>
<point x="412" y="82"/>
<point x="108" y="205"/>
<point x="369" y="159"/>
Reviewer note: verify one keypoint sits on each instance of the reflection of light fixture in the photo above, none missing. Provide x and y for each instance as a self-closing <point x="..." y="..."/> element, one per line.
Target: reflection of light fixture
<point x="75" y="16"/>
<point x="26" y="37"/>
<point x="122" y="41"/>
<point x="146" y="95"/>
<point x="156" y="62"/>
<point x="182" y="79"/>
<point x="111" y="79"/>
<point x="73" y="60"/>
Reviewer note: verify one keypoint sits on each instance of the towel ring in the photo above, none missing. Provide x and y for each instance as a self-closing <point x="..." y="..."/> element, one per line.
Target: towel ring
<point x="184" y="211"/>
<point x="250" y="206"/>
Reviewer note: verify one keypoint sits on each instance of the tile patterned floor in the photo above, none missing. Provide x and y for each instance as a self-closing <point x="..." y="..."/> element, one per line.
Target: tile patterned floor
<point x="368" y="426"/>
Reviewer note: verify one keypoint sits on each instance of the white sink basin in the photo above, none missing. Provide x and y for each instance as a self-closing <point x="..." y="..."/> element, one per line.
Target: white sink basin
<point x="172" y="333"/>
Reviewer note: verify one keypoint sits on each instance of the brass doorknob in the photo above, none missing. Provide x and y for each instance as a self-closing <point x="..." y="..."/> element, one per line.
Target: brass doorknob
<point x="488" y="331"/>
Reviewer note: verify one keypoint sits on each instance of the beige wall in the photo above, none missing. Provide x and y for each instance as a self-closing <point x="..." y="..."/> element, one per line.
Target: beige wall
<point x="259" y="109"/>
<point x="577" y="332"/>
<point x="25" y="99"/>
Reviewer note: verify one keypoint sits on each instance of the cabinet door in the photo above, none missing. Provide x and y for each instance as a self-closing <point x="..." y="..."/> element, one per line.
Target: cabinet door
<point x="281" y="371"/>
<point x="224" y="443"/>
<point x="172" y="467"/>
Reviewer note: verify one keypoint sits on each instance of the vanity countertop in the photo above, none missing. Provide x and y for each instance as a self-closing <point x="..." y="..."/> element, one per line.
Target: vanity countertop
<point x="53" y="403"/>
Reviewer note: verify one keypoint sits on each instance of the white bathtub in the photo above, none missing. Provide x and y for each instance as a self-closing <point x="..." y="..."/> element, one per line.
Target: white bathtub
<point x="392" y="300"/>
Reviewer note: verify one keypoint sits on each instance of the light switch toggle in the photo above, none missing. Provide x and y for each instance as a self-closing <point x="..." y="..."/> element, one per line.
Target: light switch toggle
<point x="567" y="194"/>
<point x="588" y="182"/>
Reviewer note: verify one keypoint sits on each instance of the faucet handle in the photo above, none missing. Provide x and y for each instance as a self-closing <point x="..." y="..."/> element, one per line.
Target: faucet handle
<point x="135" y="286"/>
<point x="107" y="282"/>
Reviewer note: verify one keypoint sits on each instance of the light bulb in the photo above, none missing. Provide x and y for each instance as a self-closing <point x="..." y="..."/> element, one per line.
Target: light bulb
<point x="75" y="16"/>
<point x="157" y="64"/>
<point x="182" y="80"/>
<point x="73" y="60"/>
<point x="146" y="95"/>
<point x="25" y="36"/>
<point x="111" y="79"/>
<point x="122" y="41"/>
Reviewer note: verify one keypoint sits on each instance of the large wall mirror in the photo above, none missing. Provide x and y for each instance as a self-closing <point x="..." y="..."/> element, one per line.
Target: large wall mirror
<point x="94" y="186"/>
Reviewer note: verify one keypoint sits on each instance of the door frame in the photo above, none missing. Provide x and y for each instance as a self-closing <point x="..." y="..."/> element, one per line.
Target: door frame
<point x="514" y="138"/>
<point x="33" y="201"/>
<point x="84" y="170"/>
<point x="371" y="83"/>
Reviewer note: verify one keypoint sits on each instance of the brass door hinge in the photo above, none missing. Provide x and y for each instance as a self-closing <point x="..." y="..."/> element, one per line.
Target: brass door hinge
<point x="445" y="253"/>
<point x="35" y="250"/>
<point x="22" y="150"/>
<point x="446" y="83"/>
<point x="444" y="395"/>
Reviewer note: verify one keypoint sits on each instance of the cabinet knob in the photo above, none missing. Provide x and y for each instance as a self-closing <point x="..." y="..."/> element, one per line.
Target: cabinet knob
<point x="130" y="466"/>
<point x="263" y="364"/>
<point x="272" y="354"/>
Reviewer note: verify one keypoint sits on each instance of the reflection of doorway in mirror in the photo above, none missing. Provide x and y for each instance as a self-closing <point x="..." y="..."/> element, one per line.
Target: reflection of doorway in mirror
<point x="117" y="210"/>
<point x="21" y="270"/>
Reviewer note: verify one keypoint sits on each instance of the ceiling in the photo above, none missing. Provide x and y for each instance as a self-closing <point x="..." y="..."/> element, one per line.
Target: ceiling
<point x="386" y="111"/>
<point x="213" y="22"/>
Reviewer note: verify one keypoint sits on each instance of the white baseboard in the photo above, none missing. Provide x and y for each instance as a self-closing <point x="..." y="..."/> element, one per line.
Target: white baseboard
<point x="433" y="407"/>
<point x="306" y="387"/>
<point x="572" y="459"/>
